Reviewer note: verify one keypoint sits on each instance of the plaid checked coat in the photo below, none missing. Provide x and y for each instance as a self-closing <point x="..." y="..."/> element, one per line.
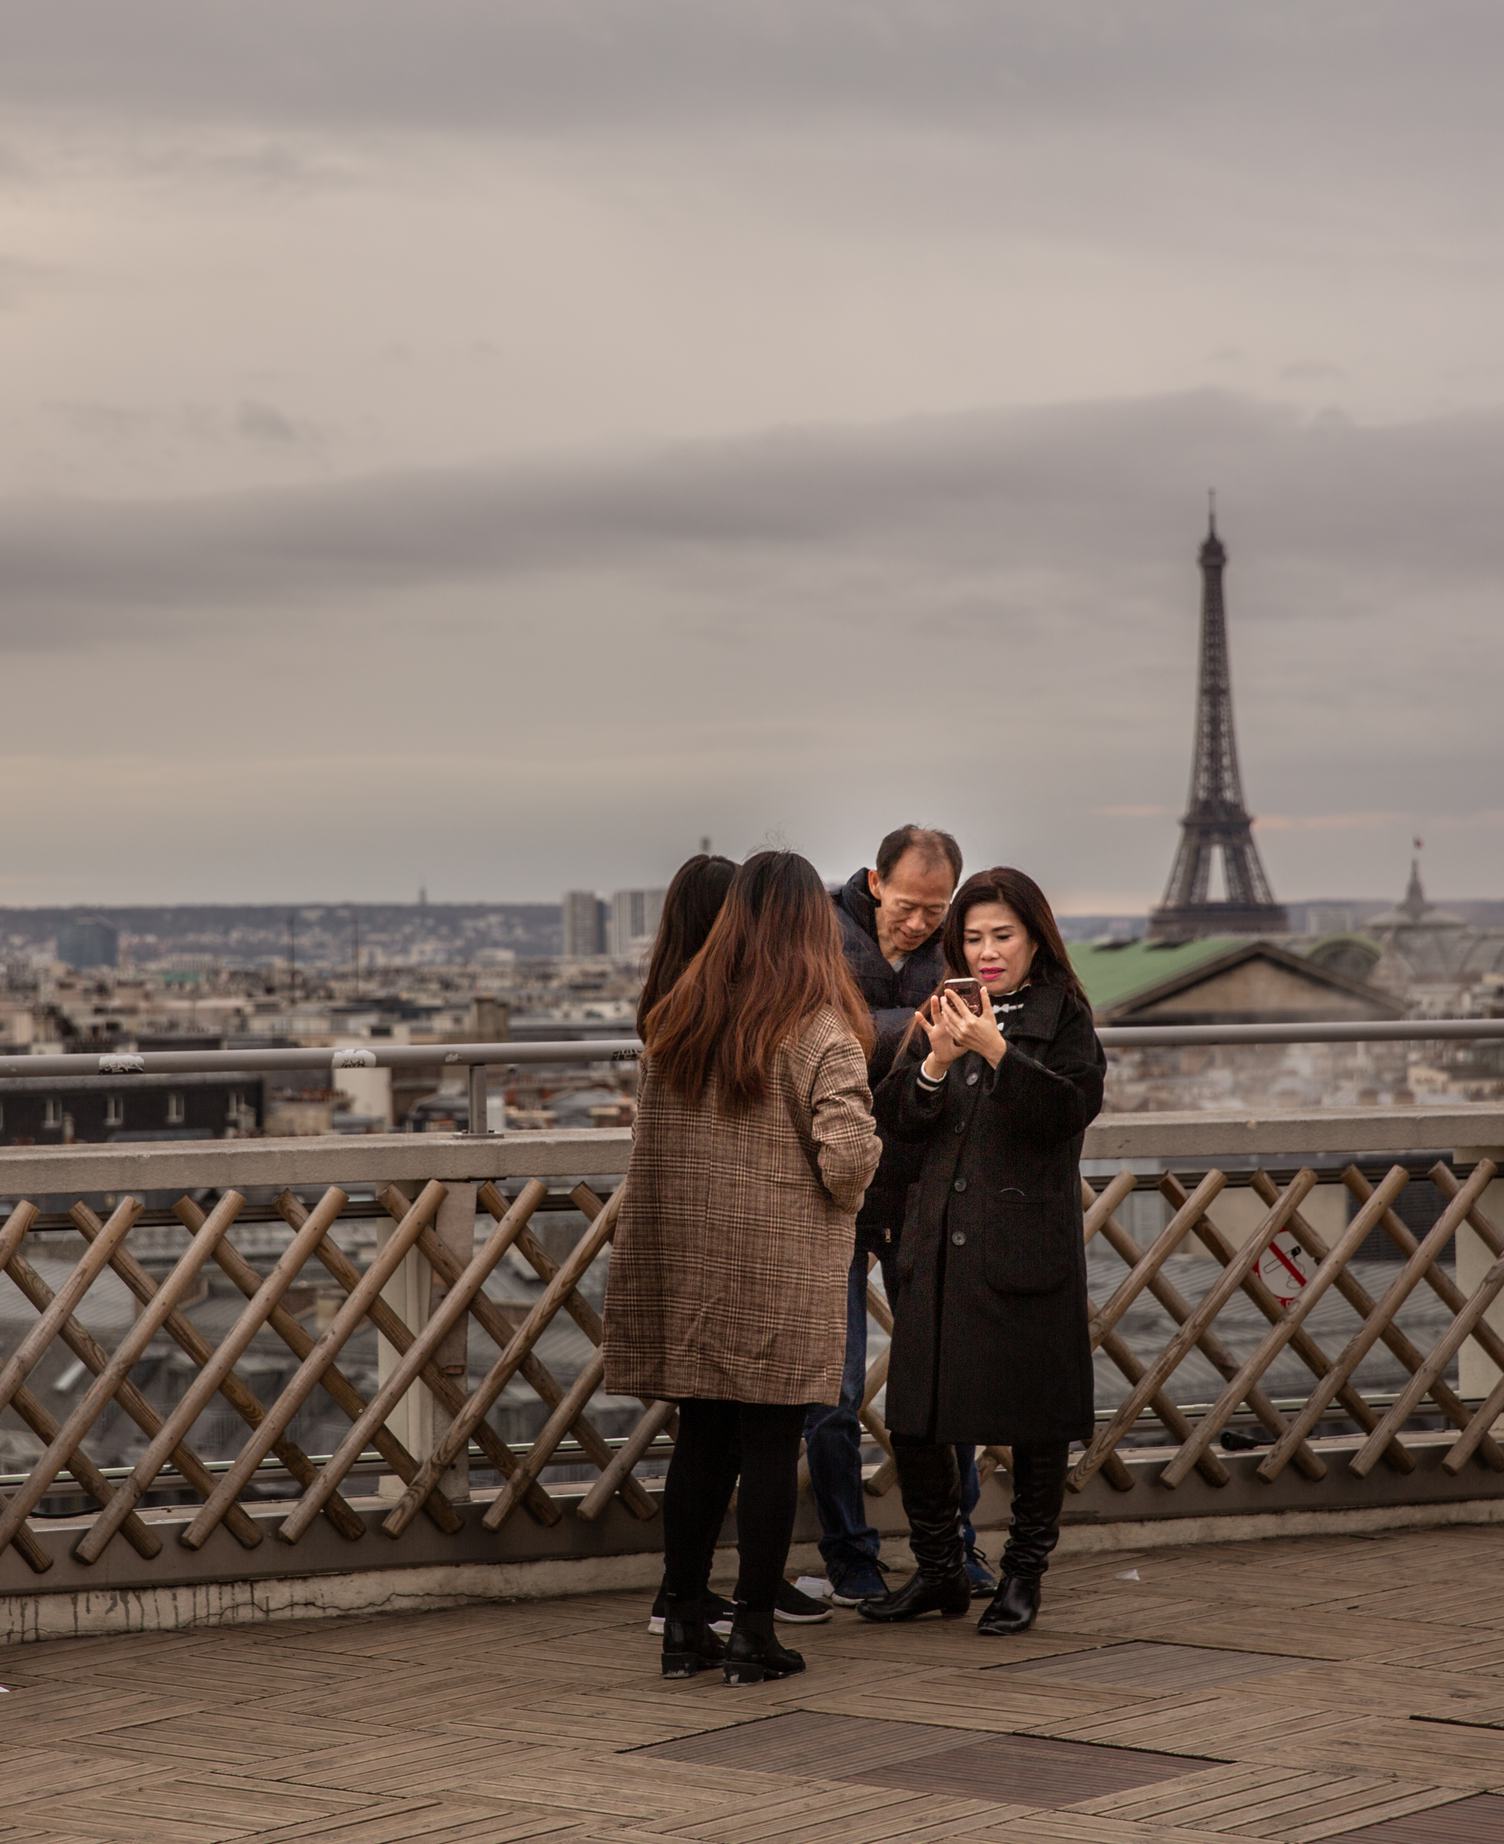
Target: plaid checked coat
<point x="728" y="1269"/>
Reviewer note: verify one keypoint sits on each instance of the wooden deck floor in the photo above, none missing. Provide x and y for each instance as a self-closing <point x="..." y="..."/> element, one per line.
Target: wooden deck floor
<point x="1294" y="1690"/>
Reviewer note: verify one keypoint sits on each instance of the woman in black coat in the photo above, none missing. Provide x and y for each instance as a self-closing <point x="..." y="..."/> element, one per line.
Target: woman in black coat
<point x="990" y="1340"/>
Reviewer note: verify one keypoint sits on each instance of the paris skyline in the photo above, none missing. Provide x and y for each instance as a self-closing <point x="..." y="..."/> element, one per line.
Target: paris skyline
<point x="496" y="452"/>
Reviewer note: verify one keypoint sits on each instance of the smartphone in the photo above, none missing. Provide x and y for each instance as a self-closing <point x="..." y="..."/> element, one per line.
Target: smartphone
<point x="969" y="992"/>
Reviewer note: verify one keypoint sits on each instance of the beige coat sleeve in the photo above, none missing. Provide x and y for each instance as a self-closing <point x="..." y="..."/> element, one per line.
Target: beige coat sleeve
<point x="846" y="1141"/>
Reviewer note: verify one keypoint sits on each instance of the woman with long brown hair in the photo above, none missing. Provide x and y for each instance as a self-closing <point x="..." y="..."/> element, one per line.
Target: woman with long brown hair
<point x="727" y="1289"/>
<point x="691" y="904"/>
<point x="990" y="1339"/>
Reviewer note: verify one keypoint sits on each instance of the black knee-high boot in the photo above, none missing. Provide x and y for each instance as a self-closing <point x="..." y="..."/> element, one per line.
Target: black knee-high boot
<point x="929" y="1482"/>
<point x="1038" y="1494"/>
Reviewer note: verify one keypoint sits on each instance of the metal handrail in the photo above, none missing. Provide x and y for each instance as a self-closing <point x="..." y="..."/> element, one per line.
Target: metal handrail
<point x="628" y="1049"/>
<point x="478" y="1058"/>
<point x="328" y="1058"/>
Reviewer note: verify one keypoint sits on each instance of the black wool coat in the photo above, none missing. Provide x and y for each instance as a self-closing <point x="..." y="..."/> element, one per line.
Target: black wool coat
<point x="893" y="994"/>
<point x="990" y="1340"/>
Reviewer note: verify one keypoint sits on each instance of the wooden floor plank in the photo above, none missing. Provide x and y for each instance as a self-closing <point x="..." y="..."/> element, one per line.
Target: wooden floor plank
<point x="1477" y="1820"/>
<point x="1075" y="1828"/>
<point x="1319" y="1823"/>
<point x="1266" y="1690"/>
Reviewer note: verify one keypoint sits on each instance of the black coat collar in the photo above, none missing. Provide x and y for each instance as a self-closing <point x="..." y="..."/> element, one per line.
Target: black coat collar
<point x="1034" y="1012"/>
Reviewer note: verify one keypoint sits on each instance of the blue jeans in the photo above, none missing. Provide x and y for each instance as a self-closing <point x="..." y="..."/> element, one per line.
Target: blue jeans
<point x="833" y="1442"/>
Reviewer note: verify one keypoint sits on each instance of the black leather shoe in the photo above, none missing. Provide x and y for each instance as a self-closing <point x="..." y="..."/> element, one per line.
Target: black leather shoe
<point x="689" y="1646"/>
<point x="754" y="1655"/>
<point x="947" y="1595"/>
<point x="1013" y="1607"/>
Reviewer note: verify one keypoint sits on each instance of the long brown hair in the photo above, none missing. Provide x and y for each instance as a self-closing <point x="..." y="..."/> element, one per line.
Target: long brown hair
<point x="1002" y="884"/>
<point x="690" y="905"/>
<point x="772" y="959"/>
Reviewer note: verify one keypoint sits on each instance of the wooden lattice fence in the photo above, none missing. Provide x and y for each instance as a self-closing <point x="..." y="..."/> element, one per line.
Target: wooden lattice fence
<point x="465" y="1348"/>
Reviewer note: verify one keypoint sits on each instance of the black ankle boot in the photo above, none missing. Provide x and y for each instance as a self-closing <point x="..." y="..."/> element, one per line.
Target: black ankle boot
<point x="688" y="1643"/>
<point x="1038" y="1494"/>
<point x="947" y="1595"/>
<point x="753" y="1653"/>
<point x="930" y="1485"/>
<point x="1013" y="1607"/>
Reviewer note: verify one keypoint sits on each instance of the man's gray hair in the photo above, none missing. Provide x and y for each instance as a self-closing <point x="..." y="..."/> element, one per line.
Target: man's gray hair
<point x="934" y="846"/>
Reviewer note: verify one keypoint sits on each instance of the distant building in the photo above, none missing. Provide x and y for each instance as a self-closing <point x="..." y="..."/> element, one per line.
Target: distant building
<point x="633" y="923"/>
<point x="1330" y="918"/>
<point x="490" y="1019"/>
<point x="88" y="941"/>
<point x="1235" y="979"/>
<point x="1226" y="979"/>
<point x="584" y="925"/>
<point x="1442" y="955"/>
<point x="64" y="1110"/>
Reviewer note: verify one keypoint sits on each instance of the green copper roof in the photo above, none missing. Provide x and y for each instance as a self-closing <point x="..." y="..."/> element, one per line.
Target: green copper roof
<point x="1113" y="974"/>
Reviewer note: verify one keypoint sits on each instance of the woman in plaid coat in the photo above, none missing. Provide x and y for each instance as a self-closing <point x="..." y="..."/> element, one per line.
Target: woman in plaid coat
<point x="727" y="1290"/>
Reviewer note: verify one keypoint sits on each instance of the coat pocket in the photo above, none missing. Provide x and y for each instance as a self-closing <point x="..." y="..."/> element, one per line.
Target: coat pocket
<point x="1028" y="1245"/>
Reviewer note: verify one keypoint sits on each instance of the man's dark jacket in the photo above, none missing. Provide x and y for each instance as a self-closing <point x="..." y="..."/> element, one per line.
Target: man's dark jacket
<point x="892" y="995"/>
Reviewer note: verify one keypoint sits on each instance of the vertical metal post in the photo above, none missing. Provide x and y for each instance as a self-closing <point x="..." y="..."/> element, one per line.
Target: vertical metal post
<point x="479" y="1124"/>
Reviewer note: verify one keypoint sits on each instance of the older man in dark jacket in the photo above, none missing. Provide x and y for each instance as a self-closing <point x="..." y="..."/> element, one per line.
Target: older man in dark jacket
<point x="890" y="918"/>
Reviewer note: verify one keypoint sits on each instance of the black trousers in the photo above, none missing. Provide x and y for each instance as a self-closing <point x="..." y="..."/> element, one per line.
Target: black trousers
<point x="717" y="1442"/>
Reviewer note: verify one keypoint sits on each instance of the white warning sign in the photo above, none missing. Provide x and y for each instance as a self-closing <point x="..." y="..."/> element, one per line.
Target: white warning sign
<point x="1284" y="1268"/>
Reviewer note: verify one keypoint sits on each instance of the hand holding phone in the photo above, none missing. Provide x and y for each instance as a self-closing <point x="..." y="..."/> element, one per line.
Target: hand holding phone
<point x="971" y="1027"/>
<point x="969" y="992"/>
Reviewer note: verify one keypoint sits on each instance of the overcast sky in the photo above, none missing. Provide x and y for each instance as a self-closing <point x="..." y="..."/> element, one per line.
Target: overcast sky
<point x="490" y="445"/>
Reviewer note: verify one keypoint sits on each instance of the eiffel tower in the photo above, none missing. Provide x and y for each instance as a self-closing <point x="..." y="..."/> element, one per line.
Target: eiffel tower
<point x="1215" y="817"/>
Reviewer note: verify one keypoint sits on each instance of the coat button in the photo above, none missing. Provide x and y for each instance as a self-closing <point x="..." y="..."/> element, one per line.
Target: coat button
<point x="975" y="1076"/>
<point x="959" y="1185"/>
<point x="958" y="1236"/>
<point x="960" y="1127"/>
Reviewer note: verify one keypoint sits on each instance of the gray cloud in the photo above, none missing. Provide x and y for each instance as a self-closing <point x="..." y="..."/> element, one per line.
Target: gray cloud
<point x="530" y="677"/>
<point x="813" y="589"/>
<point x="1313" y="371"/>
<point x="272" y="539"/>
<point x="252" y="420"/>
<point x="22" y="281"/>
<point x="259" y="164"/>
<point x="1129" y="128"/>
<point x="979" y="496"/>
<point x="522" y="63"/>
<point x="260" y="422"/>
<point x="106" y="422"/>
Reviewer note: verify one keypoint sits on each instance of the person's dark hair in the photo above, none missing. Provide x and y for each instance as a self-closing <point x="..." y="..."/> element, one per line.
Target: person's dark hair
<point x="1002" y="884"/>
<point x="690" y="905"/>
<point x="934" y="847"/>
<point x="772" y="959"/>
